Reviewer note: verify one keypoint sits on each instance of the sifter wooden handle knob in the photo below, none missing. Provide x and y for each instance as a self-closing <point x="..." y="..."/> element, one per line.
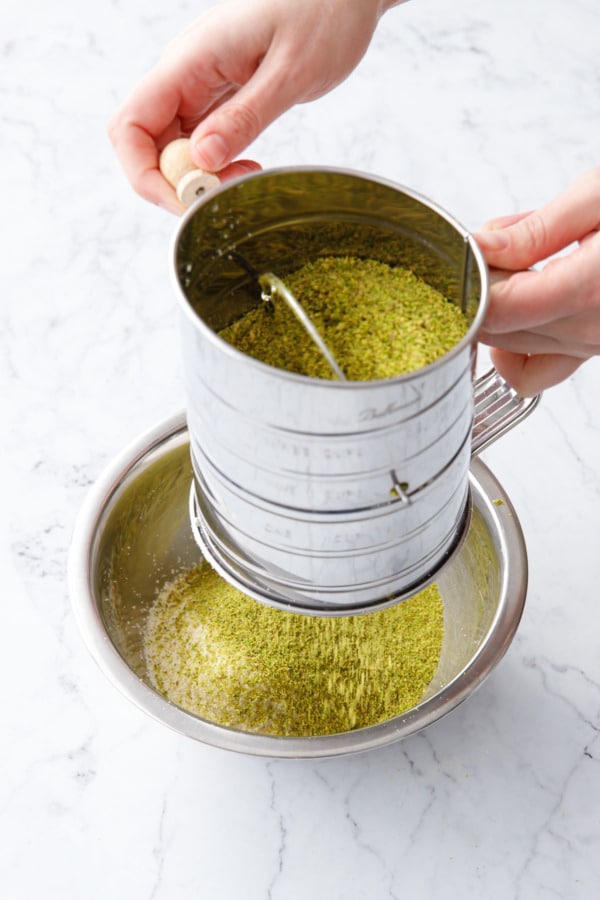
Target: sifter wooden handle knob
<point x="178" y="168"/>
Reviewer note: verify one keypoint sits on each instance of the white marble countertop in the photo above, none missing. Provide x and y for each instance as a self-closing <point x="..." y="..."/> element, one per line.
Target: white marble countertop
<point x="487" y="108"/>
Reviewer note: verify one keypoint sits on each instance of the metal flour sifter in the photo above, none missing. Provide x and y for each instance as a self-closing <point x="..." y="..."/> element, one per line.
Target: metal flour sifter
<point x="328" y="497"/>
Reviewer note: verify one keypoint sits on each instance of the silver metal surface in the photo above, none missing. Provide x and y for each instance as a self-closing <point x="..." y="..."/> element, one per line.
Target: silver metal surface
<point x="311" y="492"/>
<point x="354" y="559"/>
<point x="498" y="408"/>
<point x="133" y="535"/>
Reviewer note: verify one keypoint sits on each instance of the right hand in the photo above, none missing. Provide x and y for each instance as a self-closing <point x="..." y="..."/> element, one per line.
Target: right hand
<point x="544" y="324"/>
<point x="229" y="75"/>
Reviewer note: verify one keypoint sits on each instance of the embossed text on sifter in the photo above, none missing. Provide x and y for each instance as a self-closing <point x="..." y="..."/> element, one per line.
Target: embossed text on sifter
<point x="329" y="496"/>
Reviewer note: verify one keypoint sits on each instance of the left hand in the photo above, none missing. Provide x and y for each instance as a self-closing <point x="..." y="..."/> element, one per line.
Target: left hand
<point x="544" y="324"/>
<point x="238" y="67"/>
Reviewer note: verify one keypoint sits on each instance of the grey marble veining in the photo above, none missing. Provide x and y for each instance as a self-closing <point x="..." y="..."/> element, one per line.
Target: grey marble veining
<point x="487" y="108"/>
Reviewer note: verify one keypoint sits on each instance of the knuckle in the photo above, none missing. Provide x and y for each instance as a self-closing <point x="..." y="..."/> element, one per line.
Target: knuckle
<point x="244" y="120"/>
<point x="535" y="231"/>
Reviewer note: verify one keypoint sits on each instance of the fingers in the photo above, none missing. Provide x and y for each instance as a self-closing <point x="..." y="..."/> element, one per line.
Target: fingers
<point x="309" y="49"/>
<point x="143" y="126"/>
<point x="237" y="168"/>
<point x="505" y="221"/>
<point x="233" y="125"/>
<point x="562" y="337"/>
<point x="172" y="98"/>
<point x="220" y="81"/>
<point x="544" y="324"/>
<point x="236" y="69"/>
<point x="138" y="155"/>
<point x="527" y="300"/>
<point x="153" y="116"/>
<point x="567" y="286"/>
<point x="529" y="375"/>
<point x="536" y="236"/>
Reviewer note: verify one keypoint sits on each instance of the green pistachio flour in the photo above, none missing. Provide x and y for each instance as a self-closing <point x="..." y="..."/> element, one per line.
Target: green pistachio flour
<point x="378" y="320"/>
<point x="223" y="656"/>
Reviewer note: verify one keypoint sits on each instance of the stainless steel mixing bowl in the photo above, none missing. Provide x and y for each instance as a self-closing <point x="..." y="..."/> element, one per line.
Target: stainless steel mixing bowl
<point x="133" y="535"/>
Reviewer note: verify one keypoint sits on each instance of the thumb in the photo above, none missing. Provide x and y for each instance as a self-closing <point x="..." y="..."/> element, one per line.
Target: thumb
<point x="231" y="127"/>
<point x="519" y="245"/>
<point x="520" y="242"/>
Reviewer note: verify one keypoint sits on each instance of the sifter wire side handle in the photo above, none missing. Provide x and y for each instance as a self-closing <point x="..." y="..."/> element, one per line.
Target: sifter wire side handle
<point x="498" y="408"/>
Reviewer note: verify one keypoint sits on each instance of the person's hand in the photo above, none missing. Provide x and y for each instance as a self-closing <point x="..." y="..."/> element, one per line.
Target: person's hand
<point x="545" y="323"/>
<point x="230" y="74"/>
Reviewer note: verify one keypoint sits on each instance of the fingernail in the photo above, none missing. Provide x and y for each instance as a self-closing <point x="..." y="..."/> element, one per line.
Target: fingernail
<point x="495" y="239"/>
<point x="248" y="165"/>
<point x="210" y="152"/>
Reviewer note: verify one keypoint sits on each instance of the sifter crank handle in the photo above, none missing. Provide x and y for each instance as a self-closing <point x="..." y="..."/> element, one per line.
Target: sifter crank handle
<point x="181" y="172"/>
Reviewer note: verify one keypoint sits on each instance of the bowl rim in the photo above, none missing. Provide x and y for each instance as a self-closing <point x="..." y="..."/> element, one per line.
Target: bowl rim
<point x="489" y="497"/>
